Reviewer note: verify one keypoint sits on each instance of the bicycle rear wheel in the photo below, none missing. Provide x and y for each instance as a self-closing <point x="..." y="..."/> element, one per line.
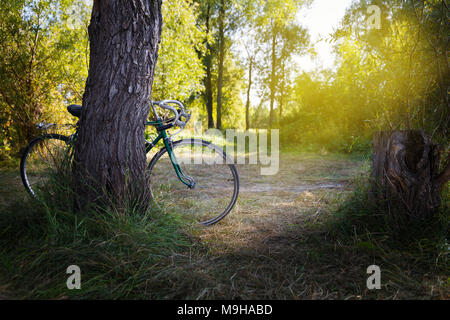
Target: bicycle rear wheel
<point x="41" y="157"/>
<point x="216" y="180"/>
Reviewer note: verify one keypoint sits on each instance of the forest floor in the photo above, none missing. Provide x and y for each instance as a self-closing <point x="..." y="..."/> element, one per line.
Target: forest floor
<point x="275" y="243"/>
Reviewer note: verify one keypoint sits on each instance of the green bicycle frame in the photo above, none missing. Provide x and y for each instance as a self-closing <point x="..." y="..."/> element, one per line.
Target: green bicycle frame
<point x="163" y="135"/>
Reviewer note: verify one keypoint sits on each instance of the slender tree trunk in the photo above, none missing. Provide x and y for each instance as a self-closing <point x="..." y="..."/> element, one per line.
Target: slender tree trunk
<point x="282" y="92"/>
<point x="272" y="78"/>
<point x="109" y="153"/>
<point x="247" y="104"/>
<point x="280" y="113"/>
<point x="221" y="60"/>
<point x="31" y="105"/>
<point x="209" y="93"/>
<point x="208" y="78"/>
<point x="406" y="181"/>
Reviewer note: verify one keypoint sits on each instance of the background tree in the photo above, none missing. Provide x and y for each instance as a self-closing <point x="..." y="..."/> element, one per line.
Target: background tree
<point x="407" y="61"/>
<point x="233" y="86"/>
<point x="221" y="57"/>
<point x="251" y="49"/>
<point x="222" y="20"/>
<point x="276" y="18"/>
<point x="205" y="19"/>
<point x="293" y="41"/>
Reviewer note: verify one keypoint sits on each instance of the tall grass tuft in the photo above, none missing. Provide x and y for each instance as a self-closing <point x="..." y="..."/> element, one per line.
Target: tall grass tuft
<point x="358" y="220"/>
<point x="122" y="252"/>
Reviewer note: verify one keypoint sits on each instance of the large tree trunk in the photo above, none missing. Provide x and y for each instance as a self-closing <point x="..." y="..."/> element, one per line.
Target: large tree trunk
<point x="405" y="175"/>
<point x="221" y="60"/>
<point x="109" y="153"/>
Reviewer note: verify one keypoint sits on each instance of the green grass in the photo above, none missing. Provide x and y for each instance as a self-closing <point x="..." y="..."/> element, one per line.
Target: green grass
<point x="121" y="254"/>
<point x="118" y="254"/>
<point x="414" y="257"/>
<point x="361" y="219"/>
<point x="312" y="244"/>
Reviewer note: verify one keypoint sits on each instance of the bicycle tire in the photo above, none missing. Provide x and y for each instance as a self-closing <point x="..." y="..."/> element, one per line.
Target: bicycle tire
<point x="228" y="163"/>
<point x="25" y="162"/>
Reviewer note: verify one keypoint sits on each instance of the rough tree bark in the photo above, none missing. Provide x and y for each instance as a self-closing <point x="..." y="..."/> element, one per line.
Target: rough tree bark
<point x="109" y="153"/>
<point x="405" y="175"/>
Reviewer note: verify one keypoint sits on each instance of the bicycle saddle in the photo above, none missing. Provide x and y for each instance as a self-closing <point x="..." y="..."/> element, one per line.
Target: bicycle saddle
<point x="74" y="110"/>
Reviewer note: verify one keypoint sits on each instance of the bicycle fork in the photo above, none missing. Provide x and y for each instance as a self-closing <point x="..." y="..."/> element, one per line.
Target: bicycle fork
<point x="187" y="180"/>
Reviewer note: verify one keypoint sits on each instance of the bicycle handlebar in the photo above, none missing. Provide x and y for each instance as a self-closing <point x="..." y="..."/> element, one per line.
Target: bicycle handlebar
<point x="176" y="120"/>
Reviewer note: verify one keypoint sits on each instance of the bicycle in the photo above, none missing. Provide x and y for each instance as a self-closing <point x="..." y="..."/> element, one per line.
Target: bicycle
<point x="195" y="175"/>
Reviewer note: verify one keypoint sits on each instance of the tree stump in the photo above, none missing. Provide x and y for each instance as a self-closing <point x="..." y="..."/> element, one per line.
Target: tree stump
<point x="405" y="179"/>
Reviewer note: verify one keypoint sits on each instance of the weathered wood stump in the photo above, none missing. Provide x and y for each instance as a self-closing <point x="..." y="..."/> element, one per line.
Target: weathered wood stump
<point x="405" y="178"/>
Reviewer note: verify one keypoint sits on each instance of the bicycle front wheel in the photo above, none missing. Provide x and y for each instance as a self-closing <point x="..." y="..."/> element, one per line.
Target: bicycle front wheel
<point x="42" y="157"/>
<point x="216" y="180"/>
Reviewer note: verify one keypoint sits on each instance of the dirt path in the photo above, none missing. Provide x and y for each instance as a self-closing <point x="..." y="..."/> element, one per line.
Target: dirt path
<point x="304" y="183"/>
<point x="258" y="251"/>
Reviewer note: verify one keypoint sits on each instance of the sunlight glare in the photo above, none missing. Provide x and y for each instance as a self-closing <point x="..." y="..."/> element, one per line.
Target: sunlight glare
<point x="321" y="19"/>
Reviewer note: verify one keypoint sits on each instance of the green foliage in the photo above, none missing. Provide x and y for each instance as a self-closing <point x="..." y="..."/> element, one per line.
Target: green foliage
<point x="359" y="219"/>
<point x="395" y="77"/>
<point x="391" y="78"/>
<point x="45" y="58"/>
<point x="313" y="119"/>
<point x="232" y="105"/>
<point x="123" y="252"/>
<point x="179" y="70"/>
<point x="280" y="38"/>
<point x="44" y="63"/>
<point x="233" y="19"/>
<point x="400" y="66"/>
